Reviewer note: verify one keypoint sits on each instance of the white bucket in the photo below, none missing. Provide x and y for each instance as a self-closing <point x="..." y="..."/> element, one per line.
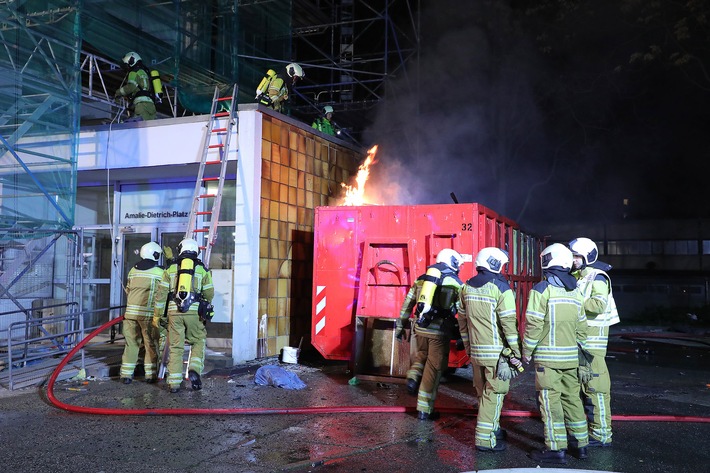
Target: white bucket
<point x="289" y="355"/>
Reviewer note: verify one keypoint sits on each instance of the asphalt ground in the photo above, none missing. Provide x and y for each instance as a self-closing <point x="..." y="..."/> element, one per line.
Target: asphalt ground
<point x="245" y="427"/>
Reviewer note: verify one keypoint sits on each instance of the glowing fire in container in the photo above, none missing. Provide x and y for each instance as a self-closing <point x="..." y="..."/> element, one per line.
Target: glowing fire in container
<point x="355" y="195"/>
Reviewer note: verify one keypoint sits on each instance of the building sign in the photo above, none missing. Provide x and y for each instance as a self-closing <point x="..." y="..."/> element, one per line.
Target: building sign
<point x="156" y="203"/>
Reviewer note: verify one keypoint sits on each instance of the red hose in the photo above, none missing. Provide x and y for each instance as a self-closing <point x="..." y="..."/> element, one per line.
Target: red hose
<point x="290" y="410"/>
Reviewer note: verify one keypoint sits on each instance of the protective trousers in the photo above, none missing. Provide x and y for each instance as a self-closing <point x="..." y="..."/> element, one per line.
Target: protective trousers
<point x="597" y="400"/>
<point x="490" y="392"/>
<point x="416" y="360"/>
<point x="560" y="406"/>
<point x="145" y="110"/>
<point x="139" y="333"/>
<point x="433" y="354"/>
<point x="185" y="328"/>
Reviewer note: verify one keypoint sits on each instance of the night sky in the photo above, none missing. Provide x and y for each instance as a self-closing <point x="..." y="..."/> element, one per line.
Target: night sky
<point x="553" y="114"/>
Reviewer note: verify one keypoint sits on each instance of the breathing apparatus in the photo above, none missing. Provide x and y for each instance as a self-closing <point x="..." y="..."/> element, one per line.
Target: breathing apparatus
<point x="261" y="94"/>
<point x="184" y="295"/>
<point x="432" y="293"/>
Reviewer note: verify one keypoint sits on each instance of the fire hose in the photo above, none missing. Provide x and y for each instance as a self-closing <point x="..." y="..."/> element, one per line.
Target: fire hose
<point x="292" y="410"/>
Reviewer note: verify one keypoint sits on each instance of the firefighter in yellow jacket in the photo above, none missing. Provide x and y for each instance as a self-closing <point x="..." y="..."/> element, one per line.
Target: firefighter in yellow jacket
<point x="138" y="88"/>
<point x="187" y="287"/>
<point x="142" y="288"/>
<point x="435" y="295"/>
<point x="489" y="330"/>
<point x="595" y="285"/>
<point x="555" y="335"/>
<point x="274" y="89"/>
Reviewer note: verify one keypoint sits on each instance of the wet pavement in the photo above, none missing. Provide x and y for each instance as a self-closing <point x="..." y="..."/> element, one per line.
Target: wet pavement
<point x="656" y="374"/>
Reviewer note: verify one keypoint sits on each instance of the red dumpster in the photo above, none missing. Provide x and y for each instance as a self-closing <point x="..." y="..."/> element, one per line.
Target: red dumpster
<point x="366" y="258"/>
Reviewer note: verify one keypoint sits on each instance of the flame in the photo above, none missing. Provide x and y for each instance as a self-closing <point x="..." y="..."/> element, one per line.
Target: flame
<point x="355" y="195"/>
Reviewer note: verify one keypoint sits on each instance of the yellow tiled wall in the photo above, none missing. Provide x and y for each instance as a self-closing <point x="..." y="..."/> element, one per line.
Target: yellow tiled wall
<point x="300" y="171"/>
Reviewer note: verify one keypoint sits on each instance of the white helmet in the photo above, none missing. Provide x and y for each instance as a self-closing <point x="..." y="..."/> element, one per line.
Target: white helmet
<point x="585" y="248"/>
<point x="151" y="251"/>
<point x="188" y="245"/>
<point x="131" y="58"/>
<point x="492" y="259"/>
<point x="294" y="69"/>
<point x="451" y="258"/>
<point x="327" y="109"/>
<point x="556" y="254"/>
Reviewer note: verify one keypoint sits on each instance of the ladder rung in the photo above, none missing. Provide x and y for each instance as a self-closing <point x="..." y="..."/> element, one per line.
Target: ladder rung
<point x="207" y="195"/>
<point x="222" y="99"/>
<point x="214" y="162"/>
<point x="201" y="230"/>
<point x="210" y="178"/>
<point x="216" y="146"/>
<point x="203" y="213"/>
<point x="221" y="114"/>
<point x="218" y="130"/>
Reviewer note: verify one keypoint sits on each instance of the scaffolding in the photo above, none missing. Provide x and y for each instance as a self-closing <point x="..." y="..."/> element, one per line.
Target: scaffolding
<point x="60" y="65"/>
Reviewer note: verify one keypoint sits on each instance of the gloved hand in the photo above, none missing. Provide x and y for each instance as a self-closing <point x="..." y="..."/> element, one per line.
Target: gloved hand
<point x="399" y="333"/>
<point x="503" y="371"/>
<point x="459" y="344"/>
<point x="584" y="373"/>
<point x="158" y="322"/>
<point x="168" y="252"/>
<point x="527" y="359"/>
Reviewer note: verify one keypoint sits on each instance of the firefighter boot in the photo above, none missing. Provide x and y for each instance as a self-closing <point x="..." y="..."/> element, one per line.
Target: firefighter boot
<point x="549" y="456"/>
<point x="412" y="386"/>
<point x="421" y="415"/>
<point x="195" y="380"/>
<point x="126" y="380"/>
<point x="500" y="446"/>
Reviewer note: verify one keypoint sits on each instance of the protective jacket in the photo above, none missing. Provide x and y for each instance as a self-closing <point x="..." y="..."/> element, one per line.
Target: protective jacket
<point x="142" y="288"/>
<point x="274" y="91"/>
<point x="138" y="90"/>
<point x="202" y="285"/>
<point x="324" y="125"/>
<point x="488" y="318"/>
<point x="599" y="306"/>
<point x="553" y="340"/>
<point x="443" y="301"/>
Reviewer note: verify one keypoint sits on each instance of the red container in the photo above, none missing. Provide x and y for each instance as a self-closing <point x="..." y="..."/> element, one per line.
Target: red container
<point x="366" y="258"/>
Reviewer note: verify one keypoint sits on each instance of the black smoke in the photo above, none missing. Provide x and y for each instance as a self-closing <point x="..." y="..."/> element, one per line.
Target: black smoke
<point x="538" y="115"/>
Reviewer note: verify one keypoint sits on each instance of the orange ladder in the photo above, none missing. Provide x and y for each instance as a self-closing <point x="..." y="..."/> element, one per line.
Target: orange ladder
<point x="207" y="201"/>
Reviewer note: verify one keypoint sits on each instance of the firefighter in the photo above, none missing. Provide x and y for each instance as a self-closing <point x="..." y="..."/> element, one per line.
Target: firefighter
<point x="141" y="289"/>
<point x="489" y="328"/>
<point x="138" y="88"/>
<point x="274" y="89"/>
<point x="555" y="333"/>
<point x="435" y="295"/>
<point x="324" y="123"/>
<point x="595" y="285"/>
<point x="187" y="289"/>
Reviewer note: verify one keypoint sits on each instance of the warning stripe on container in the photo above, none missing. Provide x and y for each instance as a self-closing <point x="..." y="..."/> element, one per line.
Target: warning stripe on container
<point x="320" y="306"/>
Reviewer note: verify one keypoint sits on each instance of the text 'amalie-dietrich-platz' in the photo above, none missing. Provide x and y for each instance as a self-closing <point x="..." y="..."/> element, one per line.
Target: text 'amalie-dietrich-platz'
<point x="166" y="214"/>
